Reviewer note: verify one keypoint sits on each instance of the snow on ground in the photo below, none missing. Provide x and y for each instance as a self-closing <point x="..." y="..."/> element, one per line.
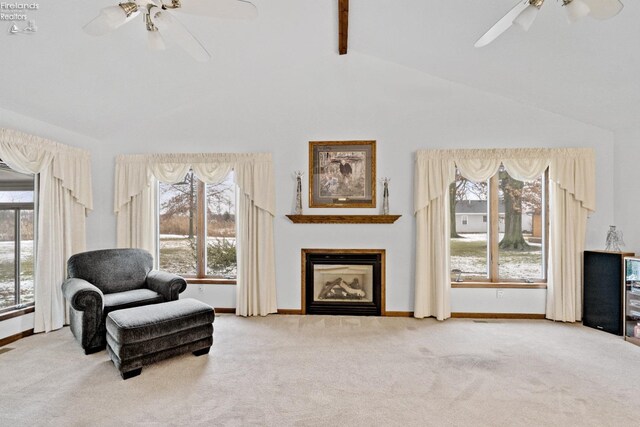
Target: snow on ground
<point x="517" y="265"/>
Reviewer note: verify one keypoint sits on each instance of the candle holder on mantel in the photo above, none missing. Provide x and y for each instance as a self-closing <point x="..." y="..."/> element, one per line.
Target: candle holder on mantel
<point x="298" y="175"/>
<point x="385" y="195"/>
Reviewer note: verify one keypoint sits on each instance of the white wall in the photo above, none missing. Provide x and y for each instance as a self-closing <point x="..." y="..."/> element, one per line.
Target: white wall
<point x="627" y="188"/>
<point x="343" y="98"/>
<point x="15" y="325"/>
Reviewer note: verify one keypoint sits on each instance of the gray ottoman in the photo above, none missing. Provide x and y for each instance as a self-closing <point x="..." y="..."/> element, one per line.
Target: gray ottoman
<point x="142" y="335"/>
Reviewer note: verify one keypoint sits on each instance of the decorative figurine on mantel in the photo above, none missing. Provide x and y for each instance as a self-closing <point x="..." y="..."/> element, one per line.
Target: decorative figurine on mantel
<point x="385" y="195"/>
<point x="298" y="175"/>
<point x="614" y="239"/>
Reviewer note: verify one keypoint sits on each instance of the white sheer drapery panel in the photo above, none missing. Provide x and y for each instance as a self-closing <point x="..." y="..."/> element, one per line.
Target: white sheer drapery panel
<point x="64" y="197"/>
<point x="136" y="210"/>
<point x="568" y="225"/>
<point x="136" y="221"/>
<point x="572" y="175"/>
<point x="256" y="284"/>
<point x="572" y="196"/>
<point x="433" y="175"/>
<point x="61" y="233"/>
<point x="432" y="290"/>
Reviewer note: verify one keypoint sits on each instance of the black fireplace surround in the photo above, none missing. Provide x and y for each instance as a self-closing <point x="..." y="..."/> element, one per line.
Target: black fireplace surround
<point x="348" y="283"/>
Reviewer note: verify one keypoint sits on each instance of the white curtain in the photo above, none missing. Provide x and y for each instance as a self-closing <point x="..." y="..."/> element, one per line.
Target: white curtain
<point x="137" y="212"/>
<point x="433" y="174"/>
<point x="572" y="175"/>
<point x="64" y="197"/>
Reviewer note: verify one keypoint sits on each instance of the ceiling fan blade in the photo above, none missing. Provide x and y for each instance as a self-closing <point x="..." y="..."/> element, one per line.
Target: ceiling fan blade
<point x="604" y="9"/>
<point x="108" y="20"/>
<point x="172" y="29"/>
<point x="503" y="24"/>
<point x="233" y="9"/>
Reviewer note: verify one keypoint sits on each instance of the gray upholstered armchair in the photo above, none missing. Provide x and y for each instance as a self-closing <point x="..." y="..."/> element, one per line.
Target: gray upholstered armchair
<point x="111" y="279"/>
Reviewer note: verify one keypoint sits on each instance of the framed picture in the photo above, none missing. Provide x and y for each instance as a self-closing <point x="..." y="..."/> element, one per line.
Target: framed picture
<point x="342" y="174"/>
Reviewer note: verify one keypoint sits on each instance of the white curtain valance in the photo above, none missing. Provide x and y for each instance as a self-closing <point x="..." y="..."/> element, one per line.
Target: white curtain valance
<point x="32" y="154"/>
<point x="572" y="168"/>
<point x="253" y="173"/>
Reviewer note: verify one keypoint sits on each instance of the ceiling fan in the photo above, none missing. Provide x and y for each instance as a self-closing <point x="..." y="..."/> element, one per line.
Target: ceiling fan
<point x="525" y="12"/>
<point x="161" y="24"/>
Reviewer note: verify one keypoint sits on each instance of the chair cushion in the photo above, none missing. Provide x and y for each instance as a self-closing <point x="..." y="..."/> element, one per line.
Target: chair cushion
<point x="133" y="298"/>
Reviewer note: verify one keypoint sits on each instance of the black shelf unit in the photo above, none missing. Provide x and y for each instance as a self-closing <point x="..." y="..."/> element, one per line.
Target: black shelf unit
<point x="603" y="291"/>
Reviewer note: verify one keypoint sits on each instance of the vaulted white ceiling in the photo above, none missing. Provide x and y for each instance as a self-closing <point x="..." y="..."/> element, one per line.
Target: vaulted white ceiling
<point x="588" y="71"/>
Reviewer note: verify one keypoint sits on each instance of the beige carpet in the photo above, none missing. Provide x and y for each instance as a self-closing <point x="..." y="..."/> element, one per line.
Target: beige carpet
<point x="335" y="371"/>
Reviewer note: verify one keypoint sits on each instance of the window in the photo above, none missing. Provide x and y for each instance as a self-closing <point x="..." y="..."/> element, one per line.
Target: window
<point x="16" y="239"/>
<point x="510" y="243"/>
<point x="465" y="220"/>
<point x="197" y="230"/>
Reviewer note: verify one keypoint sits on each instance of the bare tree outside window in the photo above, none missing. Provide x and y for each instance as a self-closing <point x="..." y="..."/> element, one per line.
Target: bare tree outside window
<point x="192" y="211"/>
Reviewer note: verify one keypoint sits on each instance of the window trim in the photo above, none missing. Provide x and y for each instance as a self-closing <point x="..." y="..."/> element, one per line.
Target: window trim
<point x="493" y="232"/>
<point x="498" y="285"/>
<point x="16" y="311"/>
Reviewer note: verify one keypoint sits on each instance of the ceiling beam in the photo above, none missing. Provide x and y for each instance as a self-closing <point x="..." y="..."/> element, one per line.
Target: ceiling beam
<point x="343" y="26"/>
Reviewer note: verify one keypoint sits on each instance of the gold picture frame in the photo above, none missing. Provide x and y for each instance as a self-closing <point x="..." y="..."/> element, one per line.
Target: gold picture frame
<point x="342" y="174"/>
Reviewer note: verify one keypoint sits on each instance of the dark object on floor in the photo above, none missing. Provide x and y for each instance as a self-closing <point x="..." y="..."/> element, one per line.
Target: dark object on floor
<point x="603" y="290"/>
<point x="144" y="335"/>
<point x="108" y="280"/>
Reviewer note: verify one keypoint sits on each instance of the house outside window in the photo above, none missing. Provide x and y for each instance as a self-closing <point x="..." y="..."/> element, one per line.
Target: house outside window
<point x="505" y="246"/>
<point x="17" y="229"/>
<point x="197" y="229"/>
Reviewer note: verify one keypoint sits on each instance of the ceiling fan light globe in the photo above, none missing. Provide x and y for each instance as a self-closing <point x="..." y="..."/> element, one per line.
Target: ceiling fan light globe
<point x="155" y="41"/>
<point x="604" y="9"/>
<point x="526" y="17"/>
<point x="108" y="20"/>
<point x="576" y="10"/>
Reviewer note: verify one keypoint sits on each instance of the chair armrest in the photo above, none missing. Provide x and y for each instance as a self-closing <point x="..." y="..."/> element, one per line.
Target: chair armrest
<point x="82" y="295"/>
<point x="168" y="285"/>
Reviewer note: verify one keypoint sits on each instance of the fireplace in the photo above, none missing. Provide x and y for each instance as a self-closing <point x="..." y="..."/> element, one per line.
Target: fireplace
<point x="343" y="281"/>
